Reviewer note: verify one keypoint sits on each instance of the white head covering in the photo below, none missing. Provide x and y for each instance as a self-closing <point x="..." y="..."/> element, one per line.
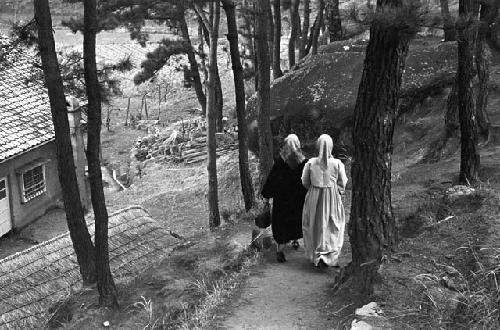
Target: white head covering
<point x="325" y="146"/>
<point x="290" y="152"/>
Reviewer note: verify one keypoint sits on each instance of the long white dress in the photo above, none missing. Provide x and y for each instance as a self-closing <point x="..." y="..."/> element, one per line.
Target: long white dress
<point x="323" y="216"/>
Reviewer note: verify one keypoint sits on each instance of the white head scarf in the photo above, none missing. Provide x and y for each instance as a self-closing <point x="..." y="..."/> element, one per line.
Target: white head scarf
<point x="290" y="152"/>
<point x="325" y="146"/>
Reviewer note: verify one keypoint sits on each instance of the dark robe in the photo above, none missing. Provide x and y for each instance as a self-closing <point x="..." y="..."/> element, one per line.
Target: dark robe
<point x="284" y="186"/>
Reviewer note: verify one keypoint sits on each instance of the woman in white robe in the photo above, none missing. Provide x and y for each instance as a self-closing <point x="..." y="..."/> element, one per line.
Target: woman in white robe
<point x="323" y="216"/>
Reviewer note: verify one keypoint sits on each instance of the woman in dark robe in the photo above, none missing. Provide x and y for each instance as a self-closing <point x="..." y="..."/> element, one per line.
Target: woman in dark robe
<point x="285" y="187"/>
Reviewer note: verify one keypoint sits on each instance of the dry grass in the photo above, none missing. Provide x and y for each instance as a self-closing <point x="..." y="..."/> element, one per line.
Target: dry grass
<point x="215" y="293"/>
<point x="184" y="291"/>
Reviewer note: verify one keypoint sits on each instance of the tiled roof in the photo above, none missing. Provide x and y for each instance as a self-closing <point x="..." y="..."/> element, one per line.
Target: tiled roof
<point x="25" y="118"/>
<point x="33" y="280"/>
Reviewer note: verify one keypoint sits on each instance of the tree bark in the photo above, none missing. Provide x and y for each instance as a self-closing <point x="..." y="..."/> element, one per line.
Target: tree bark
<point x="193" y="64"/>
<point x="248" y="32"/>
<point x="239" y="89"/>
<point x="277" y="40"/>
<point x="219" y="100"/>
<point x="78" y="230"/>
<point x="451" y="121"/>
<point x="305" y="29"/>
<point x="294" y="32"/>
<point x="201" y="51"/>
<point x="270" y="36"/>
<point x="483" y="59"/>
<point x="263" y="93"/>
<point x="372" y="229"/>
<point x="105" y="284"/>
<point x="334" y="20"/>
<point x="466" y="36"/>
<point x="216" y="79"/>
<point x="448" y="25"/>
<point x="317" y="28"/>
<point x="213" y="197"/>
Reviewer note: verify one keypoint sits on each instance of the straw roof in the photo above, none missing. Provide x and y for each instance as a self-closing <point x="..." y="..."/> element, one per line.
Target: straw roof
<point x="33" y="280"/>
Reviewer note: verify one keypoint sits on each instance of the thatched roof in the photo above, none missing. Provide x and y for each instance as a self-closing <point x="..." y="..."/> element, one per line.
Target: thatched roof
<point x="33" y="280"/>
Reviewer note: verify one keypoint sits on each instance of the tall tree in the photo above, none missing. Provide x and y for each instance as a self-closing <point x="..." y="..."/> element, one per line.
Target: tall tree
<point x="334" y="20"/>
<point x="263" y="92"/>
<point x="305" y="29"/>
<point x="466" y="37"/>
<point x="372" y="227"/>
<point x="239" y="90"/>
<point x="246" y="18"/>
<point x="488" y="15"/>
<point x="105" y="283"/>
<point x="217" y="82"/>
<point x="317" y="28"/>
<point x="193" y="64"/>
<point x="448" y="25"/>
<point x="270" y="35"/>
<point x="213" y="30"/>
<point x="277" y="40"/>
<point x="294" y="31"/>
<point x="78" y="231"/>
<point x="201" y="51"/>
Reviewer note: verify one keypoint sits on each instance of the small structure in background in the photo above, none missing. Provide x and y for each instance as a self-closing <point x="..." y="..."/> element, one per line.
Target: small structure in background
<point x="29" y="181"/>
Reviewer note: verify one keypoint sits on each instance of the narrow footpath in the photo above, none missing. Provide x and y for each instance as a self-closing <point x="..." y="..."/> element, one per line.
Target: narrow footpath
<point x="290" y="295"/>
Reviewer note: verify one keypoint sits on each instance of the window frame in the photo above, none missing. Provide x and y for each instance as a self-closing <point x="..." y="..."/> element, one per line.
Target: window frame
<point x="4" y="189"/>
<point x="22" y="173"/>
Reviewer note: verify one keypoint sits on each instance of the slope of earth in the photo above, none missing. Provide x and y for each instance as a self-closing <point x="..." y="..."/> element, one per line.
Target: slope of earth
<point x="442" y="274"/>
<point x="320" y="94"/>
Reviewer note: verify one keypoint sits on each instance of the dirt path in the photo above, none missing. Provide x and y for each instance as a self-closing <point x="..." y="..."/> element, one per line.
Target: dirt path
<point x="291" y="295"/>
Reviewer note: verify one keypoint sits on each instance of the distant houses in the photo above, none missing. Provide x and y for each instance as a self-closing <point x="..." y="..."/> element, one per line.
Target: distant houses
<point x="29" y="183"/>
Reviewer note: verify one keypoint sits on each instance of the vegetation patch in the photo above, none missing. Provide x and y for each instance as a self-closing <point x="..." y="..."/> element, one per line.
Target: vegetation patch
<point x="183" y="291"/>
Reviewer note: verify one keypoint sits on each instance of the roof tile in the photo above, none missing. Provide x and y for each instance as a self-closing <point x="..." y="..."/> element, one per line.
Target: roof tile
<point x="25" y="118"/>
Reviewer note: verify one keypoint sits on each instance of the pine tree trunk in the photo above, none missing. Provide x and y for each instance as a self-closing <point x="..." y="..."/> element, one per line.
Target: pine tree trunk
<point x="249" y="35"/>
<point x="193" y="64"/>
<point x="466" y="36"/>
<point x="305" y="29"/>
<point x="294" y="32"/>
<point x="201" y="51"/>
<point x="317" y="27"/>
<point x="78" y="230"/>
<point x="451" y="121"/>
<point x="219" y="100"/>
<point x="334" y="20"/>
<point x="483" y="59"/>
<point x="239" y="89"/>
<point x="270" y="36"/>
<point x="372" y="229"/>
<point x="448" y="26"/>
<point x="277" y="40"/>
<point x="263" y="93"/>
<point x="105" y="284"/>
<point x="213" y="198"/>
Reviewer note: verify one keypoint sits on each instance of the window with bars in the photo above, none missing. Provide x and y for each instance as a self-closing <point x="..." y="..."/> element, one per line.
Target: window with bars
<point x="33" y="183"/>
<point x="3" y="189"/>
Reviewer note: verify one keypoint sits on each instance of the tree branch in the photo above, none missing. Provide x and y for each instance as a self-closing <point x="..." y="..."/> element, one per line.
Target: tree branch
<point x="199" y="11"/>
